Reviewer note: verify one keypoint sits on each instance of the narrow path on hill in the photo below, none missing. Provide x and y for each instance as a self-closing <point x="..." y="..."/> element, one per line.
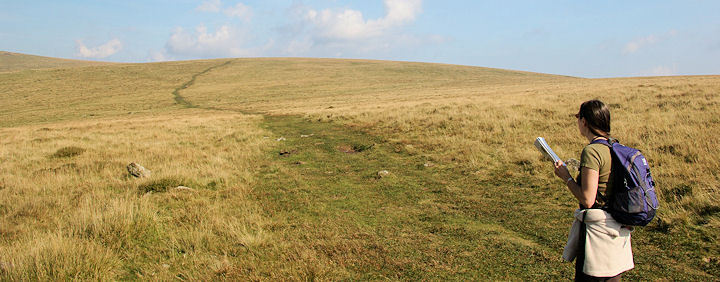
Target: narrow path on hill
<point x="176" y="93"/>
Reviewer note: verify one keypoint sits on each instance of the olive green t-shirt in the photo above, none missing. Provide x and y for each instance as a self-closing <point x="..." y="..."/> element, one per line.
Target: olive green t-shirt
<point x="597" y="157"/>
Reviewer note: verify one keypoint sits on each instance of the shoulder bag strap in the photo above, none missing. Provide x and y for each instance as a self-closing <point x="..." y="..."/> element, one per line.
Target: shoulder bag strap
<point x="607" y="143"/>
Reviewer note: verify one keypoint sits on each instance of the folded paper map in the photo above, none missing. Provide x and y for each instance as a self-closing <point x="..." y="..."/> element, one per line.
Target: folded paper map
<point x="544" y="148"/>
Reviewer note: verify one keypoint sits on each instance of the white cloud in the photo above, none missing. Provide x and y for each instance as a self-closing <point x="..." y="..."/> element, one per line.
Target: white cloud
<point x="402" y="11"/>
<point x="311" y="32"/>
<point x="646" y="41"/>
<point x="240" y="10"/>
<point x="222" y="42"/>
<point x="99" y="52"/>
<point x="210" y="6"/>
<point x="226" y="41"/>
<point x="349" y="33"/>
<point x="348" y="24"/>
<point x="229" y="40"/>
<point x="633" y="46"/>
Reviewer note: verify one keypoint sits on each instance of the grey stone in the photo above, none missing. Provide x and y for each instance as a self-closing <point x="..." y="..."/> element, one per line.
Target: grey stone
<point x="138" y="171"/>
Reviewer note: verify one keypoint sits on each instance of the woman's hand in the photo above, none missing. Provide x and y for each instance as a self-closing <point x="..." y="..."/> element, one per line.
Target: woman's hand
<point x="561" y="171"/>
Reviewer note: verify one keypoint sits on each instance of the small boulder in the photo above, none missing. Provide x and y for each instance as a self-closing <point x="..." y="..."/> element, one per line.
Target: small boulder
<point x="382" y="173"/>
<point x="280" y="139"/>
<point x="137" y="170"/>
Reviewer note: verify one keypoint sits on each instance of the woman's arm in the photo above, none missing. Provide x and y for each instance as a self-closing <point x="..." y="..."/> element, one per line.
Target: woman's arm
<point x="586" y="191"/>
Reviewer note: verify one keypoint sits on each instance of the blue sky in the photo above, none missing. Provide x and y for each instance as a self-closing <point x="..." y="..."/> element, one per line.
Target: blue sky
<point x="579" y="38"/>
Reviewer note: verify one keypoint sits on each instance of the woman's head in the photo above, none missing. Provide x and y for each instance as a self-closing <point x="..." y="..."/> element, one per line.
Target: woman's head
<point x="596" y="116"/>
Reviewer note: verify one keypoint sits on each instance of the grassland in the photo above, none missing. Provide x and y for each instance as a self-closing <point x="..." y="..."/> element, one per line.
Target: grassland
<point x="468" y="197"/>
<point x="14" y="61"/>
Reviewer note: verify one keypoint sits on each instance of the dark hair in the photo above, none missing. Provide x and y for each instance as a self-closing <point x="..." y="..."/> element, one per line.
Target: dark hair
<point x="597" y="116"/>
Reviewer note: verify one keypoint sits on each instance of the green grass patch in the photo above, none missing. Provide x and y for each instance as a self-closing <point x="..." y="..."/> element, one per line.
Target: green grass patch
<point x="336" y="220"/>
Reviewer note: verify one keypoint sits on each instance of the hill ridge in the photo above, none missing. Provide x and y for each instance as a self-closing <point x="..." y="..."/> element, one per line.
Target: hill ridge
<point x="11" y="61"/>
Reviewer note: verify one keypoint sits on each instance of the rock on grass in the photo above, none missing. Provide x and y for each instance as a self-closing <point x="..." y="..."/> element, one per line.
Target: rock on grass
<point x="138" y="171"/>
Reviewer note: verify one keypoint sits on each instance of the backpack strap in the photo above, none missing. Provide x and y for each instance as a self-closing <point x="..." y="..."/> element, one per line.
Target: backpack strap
<point x="609" y="142"/>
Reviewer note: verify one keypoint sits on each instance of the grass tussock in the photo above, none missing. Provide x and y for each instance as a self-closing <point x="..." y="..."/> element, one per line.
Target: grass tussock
<point x="67" y="152"/>
<point x="58" y="257"/>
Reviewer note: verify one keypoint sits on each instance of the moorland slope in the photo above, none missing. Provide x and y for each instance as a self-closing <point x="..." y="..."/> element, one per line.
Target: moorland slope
<point x="282" y="157"/>
<point x="10" y="61"/>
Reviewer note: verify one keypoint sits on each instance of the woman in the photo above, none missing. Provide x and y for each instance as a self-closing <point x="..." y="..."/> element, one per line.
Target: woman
<point x="600" y="244"/>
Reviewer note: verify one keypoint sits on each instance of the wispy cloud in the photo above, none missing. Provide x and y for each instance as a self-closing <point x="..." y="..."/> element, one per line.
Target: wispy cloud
<point x="210" y="6"/>
<point x="633" y="46"/>
<point x="647" y="41"/>
<point x="658" y="70"/>
<point x="664" y="70"/>
<point x="239" y="10"/>
<point x="111" y="47"/>
<point x="159" y="56"/>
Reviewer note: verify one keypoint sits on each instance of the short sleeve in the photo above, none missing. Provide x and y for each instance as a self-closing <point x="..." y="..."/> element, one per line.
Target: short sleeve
<point x="590" y="158"/>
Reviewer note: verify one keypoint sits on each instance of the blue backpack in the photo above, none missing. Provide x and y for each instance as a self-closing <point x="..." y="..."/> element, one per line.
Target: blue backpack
<point x="633" y="200"/>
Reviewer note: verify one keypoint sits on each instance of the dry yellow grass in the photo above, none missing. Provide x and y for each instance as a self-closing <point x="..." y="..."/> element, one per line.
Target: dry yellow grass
<point x="10" y="61"/>
<point x="37" y="96"/>
<point x="671" y="119"/>
<point x="81" y="216"/>
<point x="484" y="118"/>
<point x="67" y="135"/>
